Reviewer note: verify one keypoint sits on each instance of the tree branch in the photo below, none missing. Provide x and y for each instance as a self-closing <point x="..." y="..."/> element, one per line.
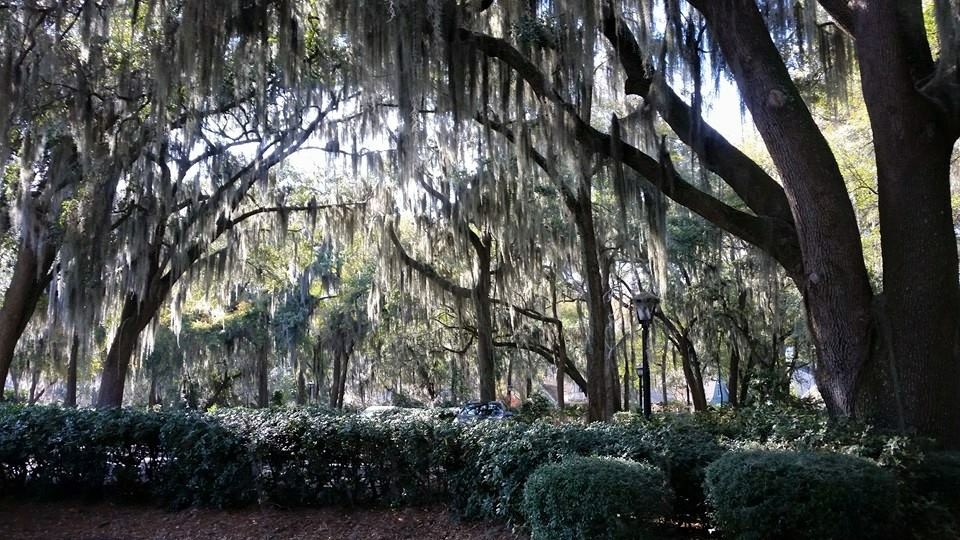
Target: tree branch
<point x="768" y="234"/>
<point x="749" y="181"/>
<point x="841" y="13"/>
<point x="569" y="368"/>
<point x="426" y="270"/>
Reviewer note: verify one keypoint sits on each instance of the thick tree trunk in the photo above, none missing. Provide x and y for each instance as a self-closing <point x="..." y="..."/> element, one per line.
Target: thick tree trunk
<point x="134" y="317"/>
<point x="319" y="371"/>
<point x="599" y="405"/>
<point x="152" y="396"/>
<point x="913" y="384"/>
<point x="486" y="362"/>
<point x="342" y="388"/>
<point x="626" y="366"/>
<point x="31" y="274"/>
<point x="34" y="381"/>
<point x="263" y="375"/>
<point x="610" y="343"/>
<point x="692" y="371"/>
<point x="733" y="381"/>
<point x="561" y="345"/>
<point x="743" y="395"/>
<point x="335" y="380"/>
<point x="663" y="375"/>
<point x="301" y="387"/>
<point x="70" y="399"/>
<point x="693" y="375"/>
<point x="834" y="285"/>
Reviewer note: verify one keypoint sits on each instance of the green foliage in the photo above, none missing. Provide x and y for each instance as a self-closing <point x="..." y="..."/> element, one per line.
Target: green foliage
<point x="496" y="458"/>
<point x="686" y="449"/>
<point x="937" y="476"/>
<point x="178" y="458"/>
<point x="230" y="458"/>
<point x="593" y="498"/>
<point x="315" y="456"/>
<point x="534" y="408"/>
<point x="930" y="485"/>
<point x="764" y="494"/>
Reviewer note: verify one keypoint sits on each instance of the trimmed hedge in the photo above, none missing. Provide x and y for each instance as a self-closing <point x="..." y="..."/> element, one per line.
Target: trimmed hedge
<point x="937" y="476"/>
<point x="494" y="460"/>
<point x="230" y="458"/>
<point x="586" y="498"/>
<point x="293" y="457"/>
<point x="765" y="494"/>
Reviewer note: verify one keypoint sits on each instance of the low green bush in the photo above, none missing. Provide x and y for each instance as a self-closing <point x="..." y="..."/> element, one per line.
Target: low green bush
<point x="311" y="456"/>
<point x="587" y="498"/>
<point x="535" y="407"/>
<point x="685" y="450"/>
<point x="798" y="495"/>
<point x="937" y="476"/>
<point x="230" y="458"/>
<point x="930" y="488"/>
<point x="494" y="460"/>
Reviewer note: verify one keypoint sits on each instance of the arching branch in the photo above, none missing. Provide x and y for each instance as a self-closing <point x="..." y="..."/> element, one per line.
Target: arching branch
<point x="841" y="13"/>
<point x="770" y="235"/>
<point x="569" y="368"/>
<point x="761" y="193"/>
<point x="425" y="269"/>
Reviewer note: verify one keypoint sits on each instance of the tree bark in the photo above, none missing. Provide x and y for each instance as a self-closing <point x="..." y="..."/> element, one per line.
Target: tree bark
<point x="263" y="375"/>
<point x="561" y="345"/>
<point x="733" y="381"/>
<point x="335" y="381"/>
<point x="692" y="371"/>
<point x="134" y="317"/>
<point x="34" y="381"/>
<point x="301" y="387"/>
<point x="342" y="388"/>
<point x="480" y="295"/>
<point x="834" y="285"/>
<point x="626" y="366"/>
<point x="152" y="395"/>
<point x="599" y="405"/>
<point x="663" y="375"/>
<point x="31" y="274"/>
<point x="911" y="383"/>
<point x="70" y="399"/>
<point x="610" y="343"/>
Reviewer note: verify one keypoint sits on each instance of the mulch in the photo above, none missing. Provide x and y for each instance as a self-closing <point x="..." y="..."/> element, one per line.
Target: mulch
<point x="106" y="521"/>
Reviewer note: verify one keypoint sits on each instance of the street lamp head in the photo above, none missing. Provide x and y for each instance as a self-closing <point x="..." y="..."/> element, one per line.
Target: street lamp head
<point x="645" y="303"/>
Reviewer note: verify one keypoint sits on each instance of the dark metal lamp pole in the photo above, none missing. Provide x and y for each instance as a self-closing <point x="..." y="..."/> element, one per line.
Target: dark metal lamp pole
<point x="645" y="304"/>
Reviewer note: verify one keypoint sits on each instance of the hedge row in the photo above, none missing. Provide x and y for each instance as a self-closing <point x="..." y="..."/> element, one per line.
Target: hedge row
<point x="231" y="458"/>
<point x="295" y="457"/>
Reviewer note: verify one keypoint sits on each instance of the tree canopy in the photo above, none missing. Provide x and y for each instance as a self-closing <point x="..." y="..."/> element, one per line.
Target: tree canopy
<point x="349" y="199"/>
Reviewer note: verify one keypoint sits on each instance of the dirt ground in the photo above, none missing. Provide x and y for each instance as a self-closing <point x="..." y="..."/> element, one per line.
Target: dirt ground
<point x="103" y="521"/>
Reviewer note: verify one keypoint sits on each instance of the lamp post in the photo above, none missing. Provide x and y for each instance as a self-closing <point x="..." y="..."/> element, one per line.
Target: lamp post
<point x="645" y="304"/>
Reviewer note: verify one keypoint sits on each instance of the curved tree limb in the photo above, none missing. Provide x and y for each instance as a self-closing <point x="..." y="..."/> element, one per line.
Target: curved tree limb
<point x="427" y="270"/>
<point x="761" y="193"/>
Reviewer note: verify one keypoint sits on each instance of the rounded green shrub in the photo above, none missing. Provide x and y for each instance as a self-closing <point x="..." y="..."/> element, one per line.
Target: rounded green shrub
<point x="937" y="477"/>
<point x="495" y="459"/>
<point x="595" y="498"/>
<point x="788" y="495"/>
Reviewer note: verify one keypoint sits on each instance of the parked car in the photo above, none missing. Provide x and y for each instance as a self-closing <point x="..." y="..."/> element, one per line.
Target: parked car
<point x="478" y="410"/>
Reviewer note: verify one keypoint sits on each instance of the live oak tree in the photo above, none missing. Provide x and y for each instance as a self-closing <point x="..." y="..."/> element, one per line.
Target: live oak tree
<point x="887" y="349"/>
<point x="887" y="356"/>
<point x="144" y="118"/>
